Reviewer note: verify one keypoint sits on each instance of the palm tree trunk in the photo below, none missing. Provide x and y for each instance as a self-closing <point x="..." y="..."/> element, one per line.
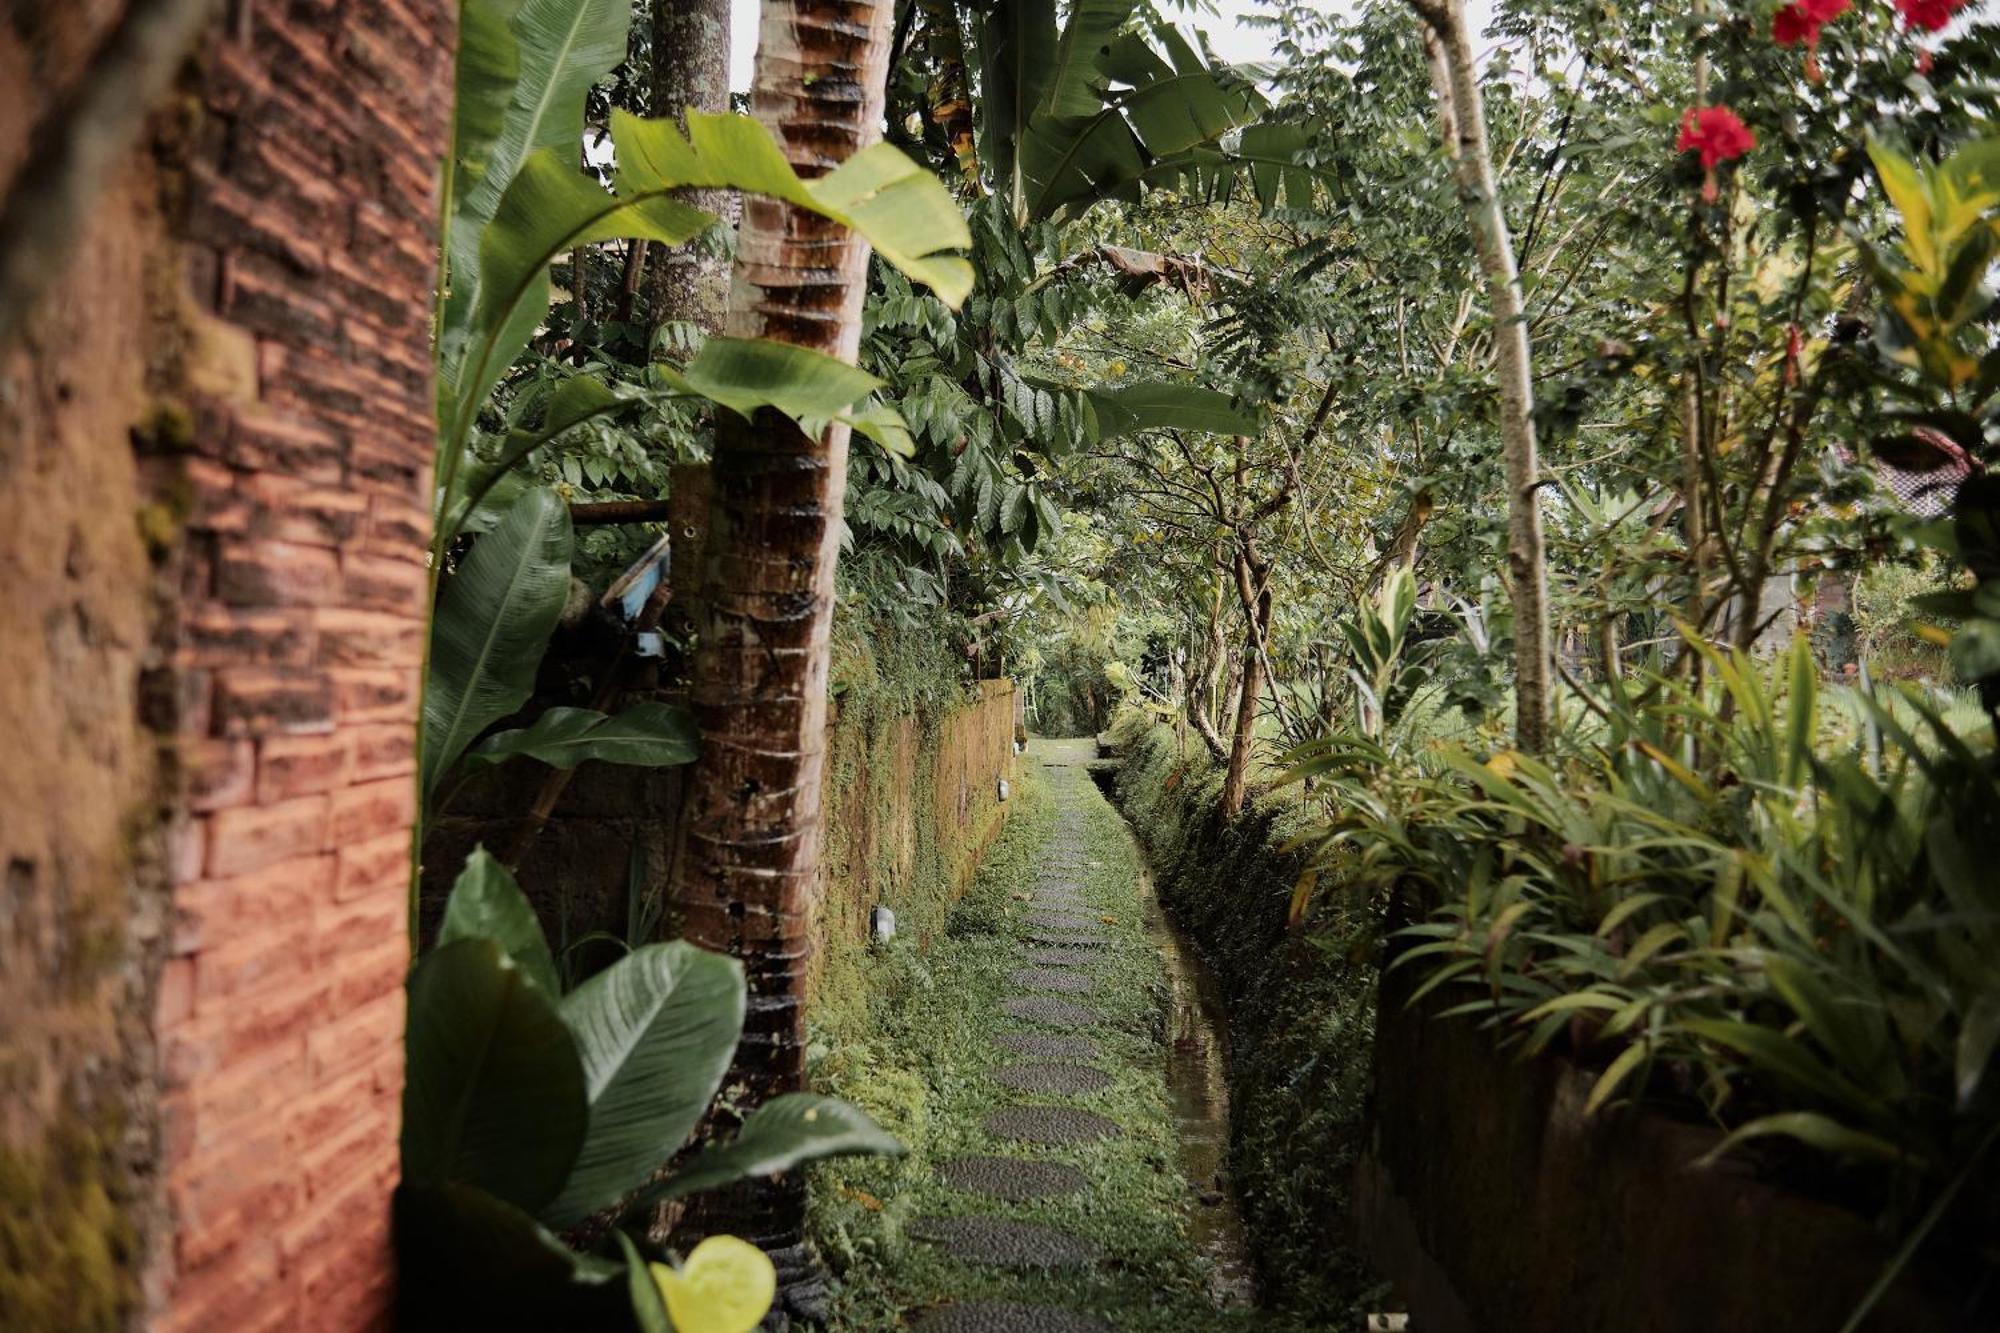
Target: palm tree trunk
<point x="1463" y="113"/>
<point x="744" y="881"/>
<point x="1254" y="588"/>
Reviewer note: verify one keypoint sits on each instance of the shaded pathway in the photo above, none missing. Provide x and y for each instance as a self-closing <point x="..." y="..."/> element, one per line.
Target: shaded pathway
<point x="1045" y="1192"/>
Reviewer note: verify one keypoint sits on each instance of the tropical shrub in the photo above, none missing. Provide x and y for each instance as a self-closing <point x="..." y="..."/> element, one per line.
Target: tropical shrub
<point x="1755" y="900"/>
<point x="528" y="1111"/>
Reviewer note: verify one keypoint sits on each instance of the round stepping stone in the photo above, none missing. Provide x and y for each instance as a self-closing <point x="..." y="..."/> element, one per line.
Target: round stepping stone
<point x="1066" y="980"/>
<point x="1045" y="1076"/>
<point x="1046" y="1046"/>
<point x="1061" y="940"/>
<point x="1008" y="1244"/>
<point x="1006" y="1317"/>
<point x="1050" y="1124"/>
<point x="1049" y="1012"/>
<point x="1063" y="920"/>
<point x="1012" y="1179"/>
<point x="1054" y="957"/>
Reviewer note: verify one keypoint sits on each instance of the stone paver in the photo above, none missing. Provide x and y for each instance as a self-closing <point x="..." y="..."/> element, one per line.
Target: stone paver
<point x="1051" y="1076"/>
<point x="1007" y="1317"/>
<point x="1005" y="1243"/>
<point x="1054" y="957"/>
<point x="1050" y="1124"/>
<point x="1011" y="1179"/>
<point x="1050" y="1012"/>
<point x="1046" y="1046"/>
<point x="1068" y="981"/>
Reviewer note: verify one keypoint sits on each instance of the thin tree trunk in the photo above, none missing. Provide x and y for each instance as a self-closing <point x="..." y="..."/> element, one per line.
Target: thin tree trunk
<point x="1205" y="690"/>
<point x="690" y="69"/>
<point x="1457" y="83"/>
<point x="1254" y="589"/>
<point x="744" y="880"/>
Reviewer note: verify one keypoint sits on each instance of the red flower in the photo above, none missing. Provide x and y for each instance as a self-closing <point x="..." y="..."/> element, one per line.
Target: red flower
<point x="1801" y="20"/>
<point x="1929" y="15"/>
<point x="1717" y="133"/>
<point x="1791" y="25"/>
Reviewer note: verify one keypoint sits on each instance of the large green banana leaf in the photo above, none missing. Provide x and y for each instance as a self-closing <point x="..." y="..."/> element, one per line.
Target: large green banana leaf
<point x="646" y="735"/>
<point x="494" y="618"/>
<point x="656" y="1031"/>
<point x="495" y="1094"/>
<point x="905" y="213"/>
<point x="785" y="1132"/>
<point x="486" y="903"/>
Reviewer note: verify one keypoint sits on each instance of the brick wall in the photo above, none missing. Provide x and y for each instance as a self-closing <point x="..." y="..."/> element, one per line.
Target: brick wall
<point x="288" y="677"/>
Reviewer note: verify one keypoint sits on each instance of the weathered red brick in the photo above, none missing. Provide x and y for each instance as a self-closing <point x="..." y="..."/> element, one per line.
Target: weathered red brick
<point x="273" y="573"/>
<point x="219" y="773"/>
<point x="373" y="808"/>
<point x="377" y="863"/>
<point x="262" y="701"/>
<point x="384" y="750"/>
<point x="289" y="766"/>
<point x="352" y="638"/>
<point x="241" y="636"/>
<point x="284" y="443"/>
<point x="355" y="1039"/>
<point x="376" y="696"/>
<point x="215" y="910"/>
<point x="289" y="510"/>
<point x="252" y="837"/>
<point x="383" y="584"/>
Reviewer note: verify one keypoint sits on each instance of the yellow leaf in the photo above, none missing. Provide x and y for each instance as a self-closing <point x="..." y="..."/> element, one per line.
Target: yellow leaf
<point x="725" y="1286"/>
<point x="1504" y="764"/>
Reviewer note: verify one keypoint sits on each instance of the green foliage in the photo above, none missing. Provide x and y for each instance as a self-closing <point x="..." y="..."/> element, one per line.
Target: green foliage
<point x="646" y="735"/>
<point x="493" y="621"/>
<point x="1756" y="893"/>
<point x="525" y="1110"/>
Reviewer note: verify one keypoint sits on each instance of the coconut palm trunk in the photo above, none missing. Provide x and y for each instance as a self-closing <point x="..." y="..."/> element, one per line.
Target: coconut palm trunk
<point x="744" y="880"/>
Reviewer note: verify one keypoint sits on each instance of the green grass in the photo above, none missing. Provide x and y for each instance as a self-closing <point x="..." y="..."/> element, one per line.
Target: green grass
<point x="919" y="1066"/>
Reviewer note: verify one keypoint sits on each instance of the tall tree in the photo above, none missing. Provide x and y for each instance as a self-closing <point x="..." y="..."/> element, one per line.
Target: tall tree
<point x="691" y="69"/>
<point x="744" y="880"/>
<point x="1455" y="75"/>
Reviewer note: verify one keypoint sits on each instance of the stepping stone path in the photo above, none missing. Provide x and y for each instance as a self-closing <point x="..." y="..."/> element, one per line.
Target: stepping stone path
<point x="1012" y="1179"/>
<point x="1064" y="979"/>
<point x="1053" y="957"/>
<point x="1045" y="1046"/>
<point x="1050" y="1012"/>
<point x="1007" y="1317"/>
<point x="1050" y="1124"/>
<point x="1051" y="1077"/>
<point x="1005" y="1244"/>
<point x="1056" y="942"/>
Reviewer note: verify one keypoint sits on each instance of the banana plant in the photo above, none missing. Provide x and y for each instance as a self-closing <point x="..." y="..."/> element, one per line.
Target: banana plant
<point x="527" y="1111"/>
<point x="515" y="200"/>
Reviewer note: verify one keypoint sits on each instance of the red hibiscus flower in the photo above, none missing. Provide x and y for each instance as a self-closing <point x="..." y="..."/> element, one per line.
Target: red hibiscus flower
<point x="1790" y="26"/>
<point x="1717" y="133"/>
<point x="1929" y="15"/>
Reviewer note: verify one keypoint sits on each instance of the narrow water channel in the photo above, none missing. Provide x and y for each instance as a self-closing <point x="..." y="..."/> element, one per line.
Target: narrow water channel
<point x="1198" y="1089"/>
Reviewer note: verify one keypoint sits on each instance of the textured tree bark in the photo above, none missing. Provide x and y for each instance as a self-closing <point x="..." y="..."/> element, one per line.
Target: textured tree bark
<point x="1455" y="77"/>
<point x="744" y="880"/>
<point x="1253" y="586"/>
<point x="690" y="69"/>
<point x="1204" y="696"/>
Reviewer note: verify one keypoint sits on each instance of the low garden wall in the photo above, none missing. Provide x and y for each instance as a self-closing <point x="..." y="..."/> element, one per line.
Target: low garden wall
<point x="1494" y="1204"/>
<point x="911" y="800"/>
<point x="1373" y="1141"/>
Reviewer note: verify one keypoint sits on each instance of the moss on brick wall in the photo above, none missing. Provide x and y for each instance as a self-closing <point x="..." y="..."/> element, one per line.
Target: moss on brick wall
<point x="68" y="1245"/>
<point x="910" y="796"/>
<point x="1301" y="1014"/>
